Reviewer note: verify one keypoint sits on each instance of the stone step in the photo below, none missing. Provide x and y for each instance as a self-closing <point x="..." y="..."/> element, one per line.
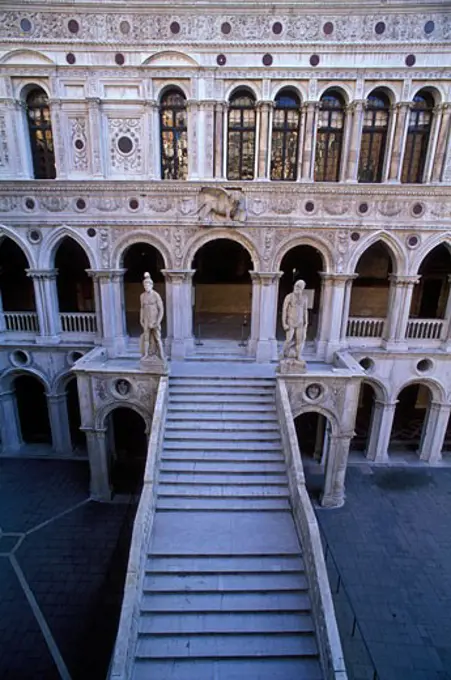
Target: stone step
<point x="216" y="504"/>
<point x="218" y="416"/>
<point x="297" y="601"/>
<point x="229" y="458"/>
<point x="226" y="622"/>
<point x="218" y="425"/>
<point x="223" y="478"/>
<point x="225" y="562"/>
<point x="280" y="668"/>
<point x="226" y="645"/>
<point x="244" y="408"/>
<point x="216" y="467"/>
<point x="232" y="398"/>
<point x="241" y="390"/>
<point x="205" y="436"/>
<point x="220" y="382"/>
<point x="224" y="582"/>
<point x="234" y="446"/>
<point x="223" y="490"/>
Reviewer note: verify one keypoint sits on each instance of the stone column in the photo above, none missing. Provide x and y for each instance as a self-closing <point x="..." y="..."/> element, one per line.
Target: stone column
<point x="398" y="147"/>
<point x="446" y="334"/>
<point x="332" y="311"/>
<point x="380" y="431"/>
<point x="308" y="157"/>
<point x="110" y="283"/>
<point x="434" y="430"/>
<point x="389" y="145"/>
<point x="398" y="309"/>
<point x="265" y="288"/>
<point x="351" y="159"/>
<point x="263" y="141"/>
<point x="2" y="316"/>
<point x="432" y="146"/>
<point x="59" y="423"/>
<point x="100" y="488"/>
<point x="346" y="307"/>
<point x="440" y="150"/>
<point x="97" y="303"/>
<point x="58" y="138"/>
<point x="47" y="308"/>
<point x="302" y="125"/>
<point x="9" y="423"/>
<point x="193" y="161"/>
<point x="19" y="164"/>
<point x="95" y="137"/>
<point x="179" y="311"/>
<point x="337" y="459"/>
<point x="219" y="141"/>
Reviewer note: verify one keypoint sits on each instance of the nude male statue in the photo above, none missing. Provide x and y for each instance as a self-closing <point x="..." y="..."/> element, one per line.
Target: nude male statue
<point x="150" y="317"/>
<point x="295" y="321"/>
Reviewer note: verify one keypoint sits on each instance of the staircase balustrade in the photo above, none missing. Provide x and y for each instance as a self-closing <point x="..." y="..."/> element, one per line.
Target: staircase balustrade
<point x="365" y="327"/>
<point x="21" y="322"/>
<point x="424" y="329"/>
<point x="78" y="322"/>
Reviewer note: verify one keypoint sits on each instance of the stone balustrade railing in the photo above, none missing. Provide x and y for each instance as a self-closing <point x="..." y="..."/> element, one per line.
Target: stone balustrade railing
<point x="328" y="638"/>
<point x="361" y="327"/>
<point x="123" y="656"/>
<point x="424" y="329"/>
<point x="78" y="322"/>
<point x="21" y="322"/>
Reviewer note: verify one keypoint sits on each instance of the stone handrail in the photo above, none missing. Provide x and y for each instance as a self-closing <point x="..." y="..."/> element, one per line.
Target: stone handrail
<point x="365" y="327"/>
<point x="123" y="655"/>
<point x="78" y="322"/>
<point x="328" y="638"/>
<point x="424" y="329"/>
<point x="21" y="322"/>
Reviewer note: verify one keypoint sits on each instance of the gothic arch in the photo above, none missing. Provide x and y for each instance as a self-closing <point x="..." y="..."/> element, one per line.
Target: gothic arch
<point x="203" y="238"/>
<point x="391" y="242"/>
<point x="51" y="243"/>
<point x="7" y="232"/>
<point x="428" y="247"/>
<point x="102" y="413"/>
<point x="120" y="248"/>
<point x="315" y="242"/>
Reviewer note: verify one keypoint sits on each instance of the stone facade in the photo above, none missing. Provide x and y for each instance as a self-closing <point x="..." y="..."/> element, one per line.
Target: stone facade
<point x="104" y="74"/>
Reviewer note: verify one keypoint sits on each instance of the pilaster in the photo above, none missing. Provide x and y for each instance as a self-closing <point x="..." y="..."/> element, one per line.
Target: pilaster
<point x="352" y="157"/>
<point x="263" y="140"/>
<point x="220" y="107"/>
<point x="100" y="488"/>
<point x="381" y="427"/>
<point x="434" y="432"/>
<point x="337" y="459"/>
<point x="440" y="151"/>
<point x="333" y="294"/>
<point x="110" y="290"/>
<point x="9" y="423"/>
<point x="308" y="157"/>
<point x="95" y="134"/>
<point x="59" y="423"/>
<point x="58" y="138"/>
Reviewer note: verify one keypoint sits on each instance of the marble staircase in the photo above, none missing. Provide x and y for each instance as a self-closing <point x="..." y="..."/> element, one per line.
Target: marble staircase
<point x="225" y="595"/>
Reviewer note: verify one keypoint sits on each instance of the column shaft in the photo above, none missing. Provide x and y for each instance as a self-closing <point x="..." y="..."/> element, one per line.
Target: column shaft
<point x="263" y="142"/>
<point x="308" y="157"/>
<point x="179" y="311"/>
<point x="46" y="297"/>
<point x="381" y="427"/>
<point x="265" y="288"/>
<point x="98" y="463"/>
<point x="397" y="155"/>
<point x="355" y="141"/>
<point x="59" y="423"/>
<point x="337" y="459"/>
<point x="399" y="302"/>
<point x="434" y="432"/>
<point x="9" y="423"/>
<point x="441" y="144"/>
<point x="112" y="309"/>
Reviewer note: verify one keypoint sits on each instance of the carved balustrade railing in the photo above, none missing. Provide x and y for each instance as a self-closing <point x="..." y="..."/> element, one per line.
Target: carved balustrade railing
<point x="78" y="322"/>
<point x="20" y="322"/>
<point x="365" y="327"/>
<point x="424" y="329"/>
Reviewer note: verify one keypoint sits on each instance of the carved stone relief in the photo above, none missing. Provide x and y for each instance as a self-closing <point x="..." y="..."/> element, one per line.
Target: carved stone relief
<point x="78" y="139"/>
<point x="125" y="155"/>
<point x="4" y="152"/>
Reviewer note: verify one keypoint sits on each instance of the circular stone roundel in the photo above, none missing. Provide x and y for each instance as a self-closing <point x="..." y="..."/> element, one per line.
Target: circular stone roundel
<point x="125" y="145"/>
<point x="314" y="391"/>
<point x="122" y="387"/>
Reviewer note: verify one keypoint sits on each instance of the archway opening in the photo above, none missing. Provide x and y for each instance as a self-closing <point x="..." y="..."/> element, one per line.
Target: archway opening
<point x="138" y="259"/>
<point x="222" y="291"/>
<point x="446" y="450"/>
<point x="410" y="419"/>
<point x="17" y="292"/>
<point x="301" y="262"/>
<point x="364" y="417"/>
<point x="430" y="295"/>
<point x="78" y="437"/>
<point x="313" y="432"/>
<point x="74" y="286"/>
<point x="127" y="444"/>
<point x="370" y="291"/>
<point x="33" y="410"/>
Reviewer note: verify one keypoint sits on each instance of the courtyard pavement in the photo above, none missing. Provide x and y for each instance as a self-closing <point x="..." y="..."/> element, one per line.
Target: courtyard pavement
<point x="391" y="544"/>
<point x="62" y="567"/>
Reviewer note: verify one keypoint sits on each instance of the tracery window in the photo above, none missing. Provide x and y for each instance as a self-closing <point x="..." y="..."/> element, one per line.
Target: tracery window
<point x="329" y="139"/>
<point x="40" y="131"/>
<point x="374" y="137"/>
<point x="174" y="135"/>
<point x="418" y="134"/>
<point x="285" y="136"/>
<point x="241" y="136"/>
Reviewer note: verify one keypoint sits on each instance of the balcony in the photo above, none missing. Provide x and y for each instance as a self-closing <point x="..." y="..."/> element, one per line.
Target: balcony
<point x="368" y="329"/>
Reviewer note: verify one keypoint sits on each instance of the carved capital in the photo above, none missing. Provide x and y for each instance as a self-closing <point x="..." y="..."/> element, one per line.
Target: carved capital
<point x="48" y="274"/>
<point x="178" y="275"/>
<point x="397" y="280"/>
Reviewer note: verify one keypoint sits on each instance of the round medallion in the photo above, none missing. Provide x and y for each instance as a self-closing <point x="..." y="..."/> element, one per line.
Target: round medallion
<point x="328" y="28"/>
<point x="133" y="204"/>
<point x="124" y="27"/>
<point x="122" y="387"/>
<point x="119" y="59"/>
<point x="70" y="58"/>
<point x="25" y="25"/>
<point x="314" y="391"/>
<point x="73" y="356"/>
<point x="314" y="60"/>
<point x="175" y="27"/>
<point x="30" y="204"/>
<point x="355" y="236"/>
<point x="79" y="144"/>
<point x="309" y="206"/>
<point x="267" y="60"/>
<point x="125" y="145"/>
<point x="91" y="232"/>
<point x="429" y="27"/>
<point x="363" y="208"/>
<point x="424" y="365"/>
<point x="34" y="236"/>
<point x="73" y="26"/>
<point x="277" y="28"/>
<point x="20" y="358"/>
<point x="367" y="364"/>
<point x="418" y="209"/>
<point x="410" y="60"/>
<point x="226" y="28"/>
<point x="221" y="59"/>
<point x="80" y="204"/>
<point x="413" y="241"/>
<point x="379" y="28"/>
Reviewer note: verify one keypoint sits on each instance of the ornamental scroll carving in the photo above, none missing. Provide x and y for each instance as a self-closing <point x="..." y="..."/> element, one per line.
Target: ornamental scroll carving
<point x="79" y="143"/>
<point x="125" y="156"/>
<point x="4" y="152"/>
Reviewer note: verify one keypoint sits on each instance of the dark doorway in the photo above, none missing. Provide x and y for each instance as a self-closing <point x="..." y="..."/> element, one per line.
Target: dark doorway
<point x="223" y="291"/>
<point x="33" y="411"/>
<point x="430" y="295"/>
<point x="363" y="418"/>
<point x="370" y="290"/>
<point x="306" y="263"/>
<point x="16" y="287"/>
<point x="138" y="259"/>
<point x="410" y="419"/>
<point x="128" y="449"/>
<point x="75" y="290"/>
<point x="78" y="437"/>
<point x="313" y="434"/>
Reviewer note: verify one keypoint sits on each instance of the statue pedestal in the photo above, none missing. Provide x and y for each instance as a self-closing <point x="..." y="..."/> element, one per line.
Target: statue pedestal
<point x="289" y="365"/>
<point x="153" y="364"/>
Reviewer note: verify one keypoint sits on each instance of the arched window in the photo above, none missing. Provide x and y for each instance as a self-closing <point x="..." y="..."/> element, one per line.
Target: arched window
<point x="40" y="131"/>
<point x="241" y="136"/>
<point x="285" y="136"/>
<point x="417" y="141"/>
<point x="174" y="136"/>
<point x="329" y="139"/>
<point x="374" y="137"/>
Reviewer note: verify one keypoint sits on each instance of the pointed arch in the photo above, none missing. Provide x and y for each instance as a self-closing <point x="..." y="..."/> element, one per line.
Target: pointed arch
<point x="7" y="232"/>
<point x="52" y="241"/>
<point x="391" y="242"/>
<point x="428" y="247"/>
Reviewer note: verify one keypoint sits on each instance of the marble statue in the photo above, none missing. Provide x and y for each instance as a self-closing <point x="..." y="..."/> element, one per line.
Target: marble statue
<point x="150" y="318"/>
<point x="295" y="322"/>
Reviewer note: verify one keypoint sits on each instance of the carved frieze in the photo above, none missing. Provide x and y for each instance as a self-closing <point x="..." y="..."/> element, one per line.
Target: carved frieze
<point x="78" y="137"/>
<point x="125" y="144"/>
<point x="4" y="151"/>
